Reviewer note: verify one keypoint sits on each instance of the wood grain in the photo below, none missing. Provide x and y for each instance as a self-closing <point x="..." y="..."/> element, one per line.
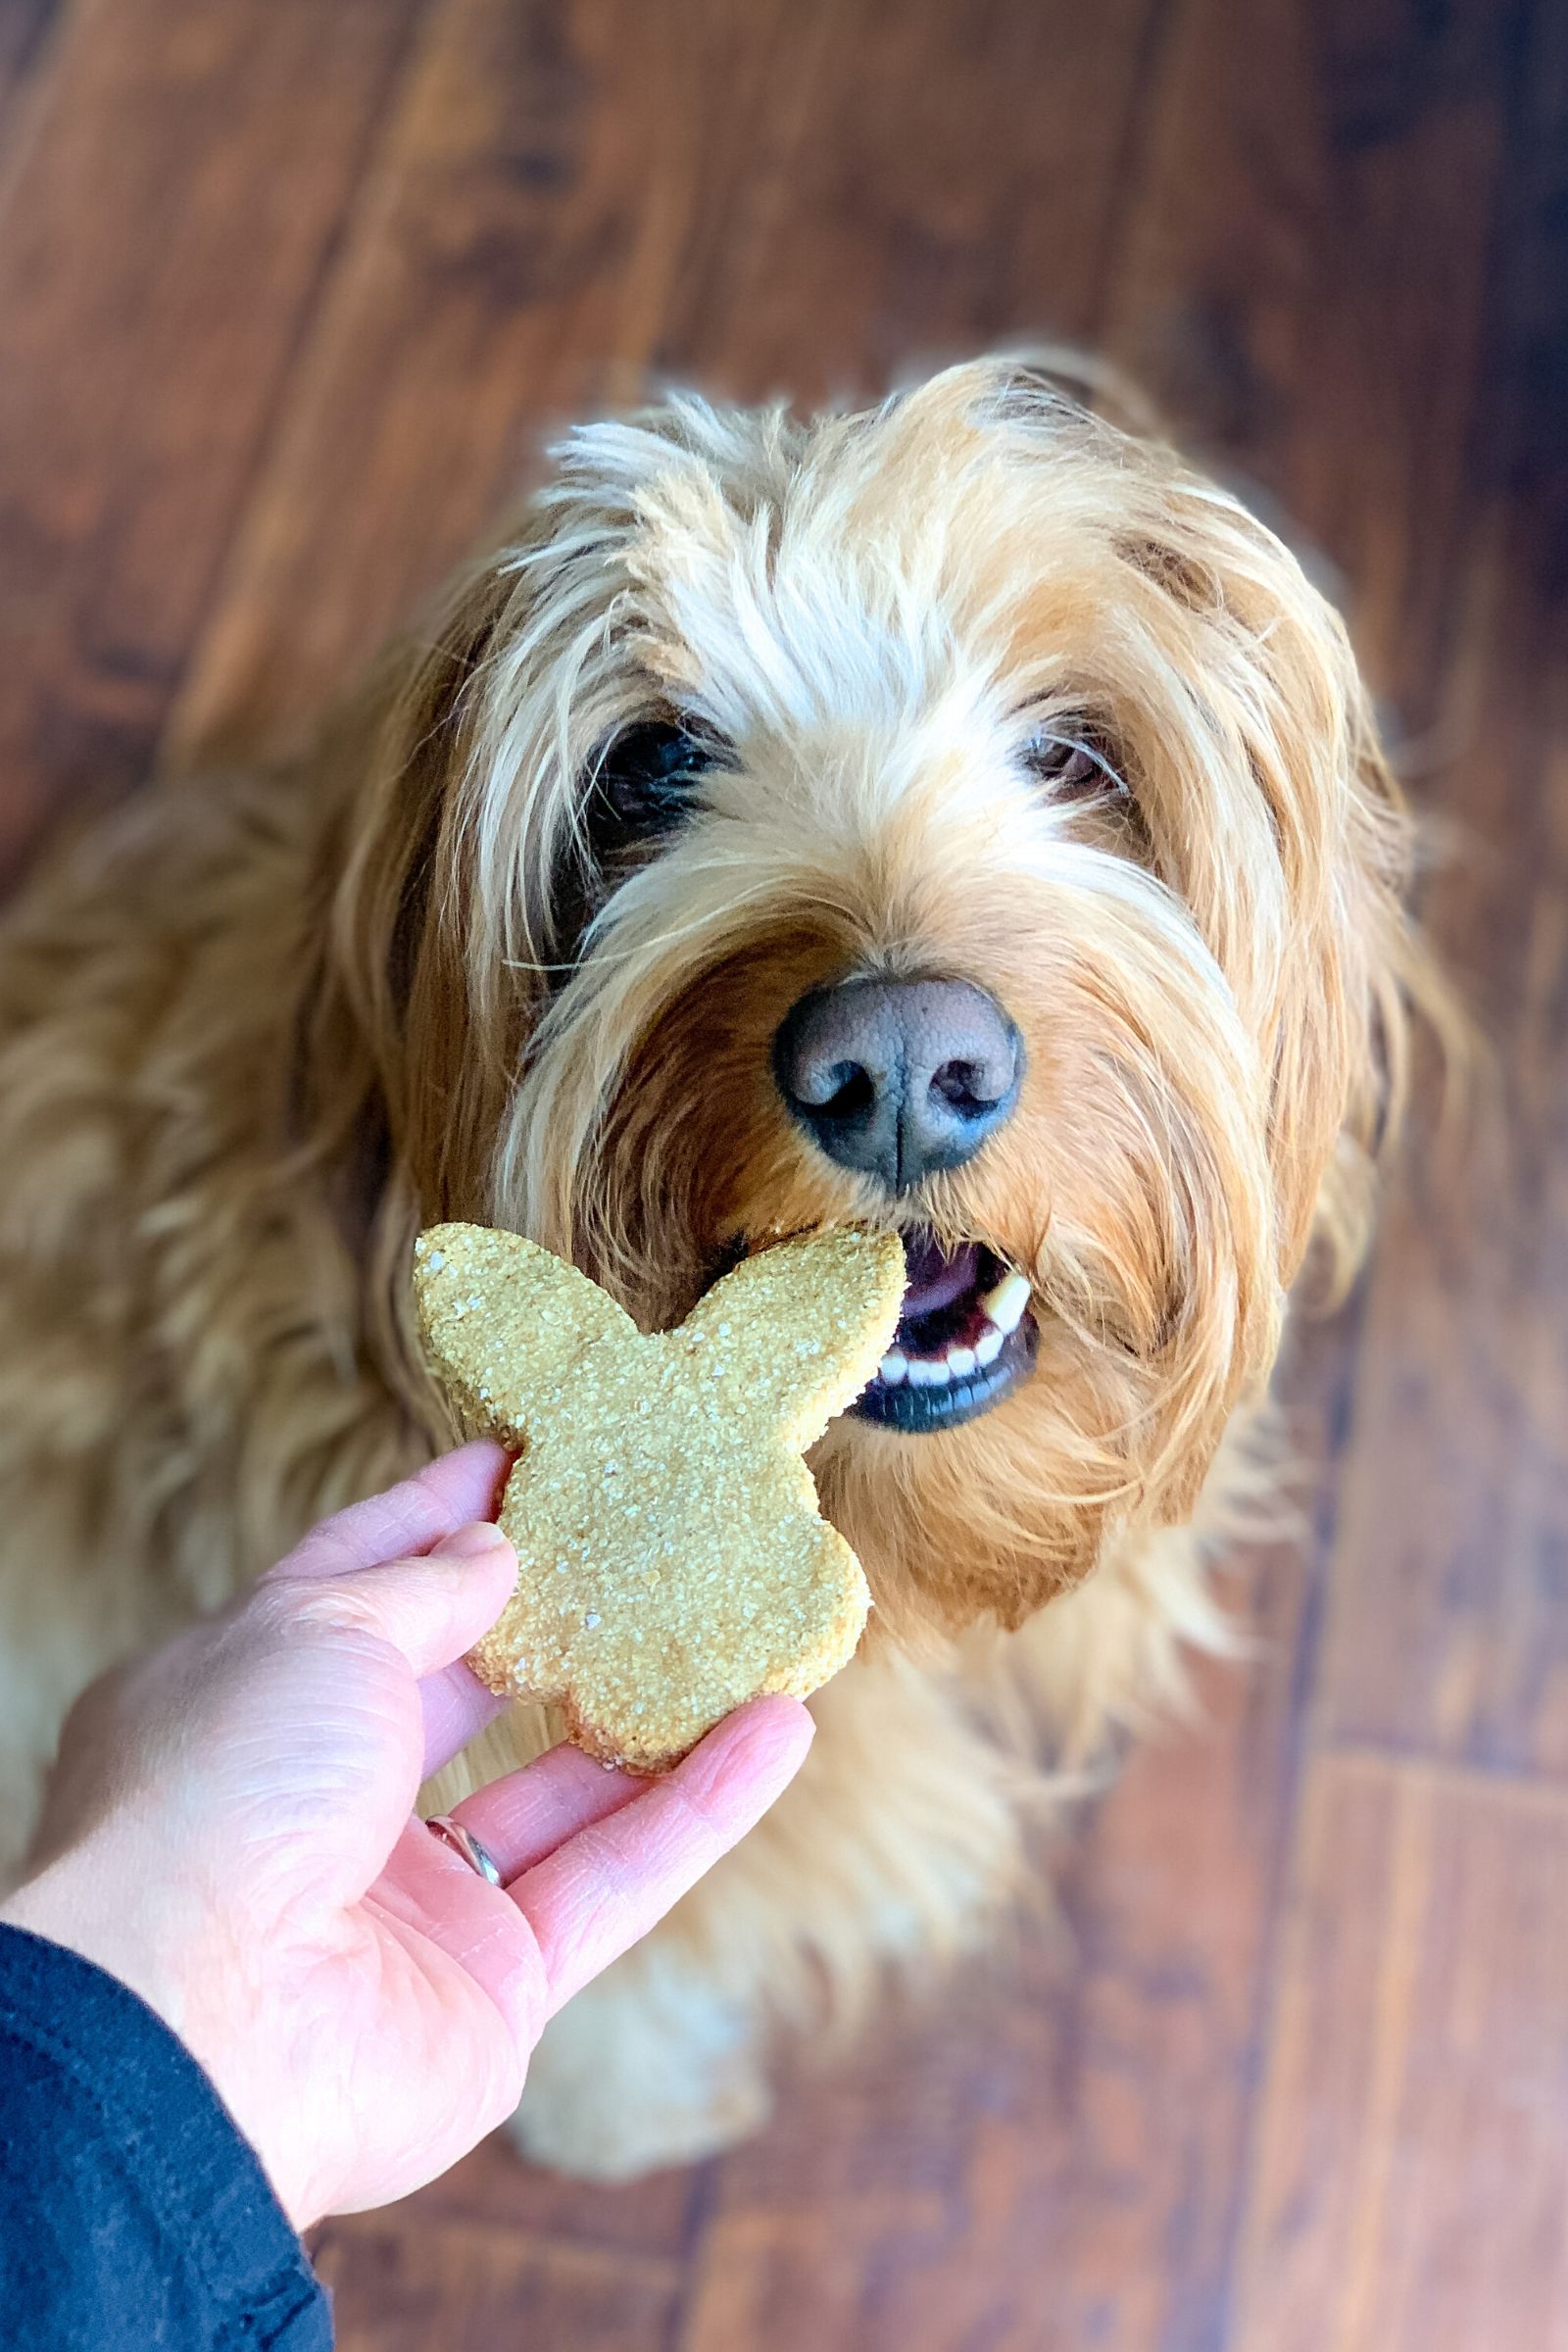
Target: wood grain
<point x="1450" y="1611"/>
<point x="1305" y="283"/>
<point x="187" y="169"/>
<point x="506" y="273"/>
<point x="1409" y="2189"/>
<point x="468" y="2287"/>
<point x="918" y="194"/>
<point x="25" y="28"/>
<point x="1448" y="1626"/>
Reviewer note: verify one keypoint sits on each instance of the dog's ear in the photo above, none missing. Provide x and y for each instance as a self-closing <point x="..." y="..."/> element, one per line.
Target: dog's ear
<point x="1358" y="982"/>
<point x="390" y="1003"/>
<point x="1299" y="874"/>
<point x="450" y="780"/>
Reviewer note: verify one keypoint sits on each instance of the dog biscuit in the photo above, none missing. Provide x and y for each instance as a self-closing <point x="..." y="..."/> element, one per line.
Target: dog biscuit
<point x="672" y="1561"/>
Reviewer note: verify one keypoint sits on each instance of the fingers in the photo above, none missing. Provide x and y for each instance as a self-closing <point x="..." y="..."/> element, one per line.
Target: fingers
<point x="430" y="1609"/>
<point x="524" y="1816"/>
<point x="592" y="1898"/>
<point x="455" y="1706"/>
<point x="408" y="1519"/>
<point x="518" y="1820"/>
<point x="433" y="1891"/>
<point x="421" y="1567"/>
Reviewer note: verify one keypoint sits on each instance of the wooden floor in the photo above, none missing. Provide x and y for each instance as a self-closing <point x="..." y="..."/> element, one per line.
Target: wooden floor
<point x="287" y="290"/>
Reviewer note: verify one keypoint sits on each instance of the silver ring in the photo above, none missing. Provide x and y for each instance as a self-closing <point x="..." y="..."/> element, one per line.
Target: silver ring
<point x="463" y="1842"/>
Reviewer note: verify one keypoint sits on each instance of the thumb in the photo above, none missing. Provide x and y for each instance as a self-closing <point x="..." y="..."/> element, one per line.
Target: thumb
<point x="429" y="1609"/>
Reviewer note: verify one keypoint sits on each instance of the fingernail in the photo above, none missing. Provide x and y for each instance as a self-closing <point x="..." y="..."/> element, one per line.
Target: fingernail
<point x="470" y="1543"/>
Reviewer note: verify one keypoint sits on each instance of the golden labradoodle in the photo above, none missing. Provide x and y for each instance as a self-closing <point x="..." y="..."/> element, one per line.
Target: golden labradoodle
<point x="958" y="816"/>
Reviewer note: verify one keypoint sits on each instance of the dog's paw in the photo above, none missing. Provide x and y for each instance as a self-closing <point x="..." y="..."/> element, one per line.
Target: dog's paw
<point x="609" y="2142"/>
<point x="634" y="2080"/>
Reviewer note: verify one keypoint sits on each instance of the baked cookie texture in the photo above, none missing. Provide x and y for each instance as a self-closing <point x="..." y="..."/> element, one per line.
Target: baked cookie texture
<point x="672" y="1558"/>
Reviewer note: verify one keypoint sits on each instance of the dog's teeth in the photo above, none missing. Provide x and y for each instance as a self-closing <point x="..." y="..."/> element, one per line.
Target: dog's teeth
<point x="1004" y="1306"/>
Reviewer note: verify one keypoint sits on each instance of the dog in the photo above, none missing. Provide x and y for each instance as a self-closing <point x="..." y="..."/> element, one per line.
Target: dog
<point x="958" y="816"/>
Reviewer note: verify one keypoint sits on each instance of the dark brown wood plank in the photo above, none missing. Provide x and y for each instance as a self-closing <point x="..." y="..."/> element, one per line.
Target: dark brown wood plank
<point x="952" y="181"/>
<point x="24" y="28"/>
<point x="1449" y="1615"/>
<point x="1410" y="2169"/>
<point x="1305" y="282"/>
<point x="1450" y="1618"/>
<point x="185" y="172"/>
<point x="469" y="2287"/>
<point x="1414" y="104"/>
<point x="508" y="273"/>
<point x="649" y="2219"/>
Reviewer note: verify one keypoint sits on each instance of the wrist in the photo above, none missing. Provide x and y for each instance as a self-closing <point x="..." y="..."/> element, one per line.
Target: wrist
<point x="74" y="1901"/>
<point x="164" y="1953"/>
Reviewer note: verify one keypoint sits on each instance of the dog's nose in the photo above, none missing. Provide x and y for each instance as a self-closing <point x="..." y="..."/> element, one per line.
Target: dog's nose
<point x="899" y="1078"/>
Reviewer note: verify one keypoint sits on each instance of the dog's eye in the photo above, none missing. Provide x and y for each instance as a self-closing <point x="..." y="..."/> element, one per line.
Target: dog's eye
<point x="1076" y="766"/>
<point x="644" y="776"/>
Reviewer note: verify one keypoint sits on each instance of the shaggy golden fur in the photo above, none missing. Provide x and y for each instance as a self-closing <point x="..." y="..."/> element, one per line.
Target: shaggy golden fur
<point x="257" y="1030"/>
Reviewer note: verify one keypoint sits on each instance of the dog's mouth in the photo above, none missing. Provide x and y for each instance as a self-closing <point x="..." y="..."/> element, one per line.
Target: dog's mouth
<point x="966" y="1337"/>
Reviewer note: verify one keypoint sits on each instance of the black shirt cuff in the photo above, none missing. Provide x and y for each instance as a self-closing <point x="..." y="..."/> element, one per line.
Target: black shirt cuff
<point x="132" y="2211"/>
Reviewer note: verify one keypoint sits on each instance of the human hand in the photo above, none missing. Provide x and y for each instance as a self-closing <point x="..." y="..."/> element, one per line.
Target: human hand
<point x="232" y="1833"/>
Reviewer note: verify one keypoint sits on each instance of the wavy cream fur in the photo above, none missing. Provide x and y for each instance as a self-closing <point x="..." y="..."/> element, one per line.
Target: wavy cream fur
<point x="257" y="1030"/>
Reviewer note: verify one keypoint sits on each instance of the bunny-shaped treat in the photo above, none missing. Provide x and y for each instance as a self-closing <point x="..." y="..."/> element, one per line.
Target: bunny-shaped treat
<point x="672" y="1558"/>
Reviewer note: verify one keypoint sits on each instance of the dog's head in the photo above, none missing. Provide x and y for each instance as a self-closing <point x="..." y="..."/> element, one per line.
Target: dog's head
<point x="957" y="816"/>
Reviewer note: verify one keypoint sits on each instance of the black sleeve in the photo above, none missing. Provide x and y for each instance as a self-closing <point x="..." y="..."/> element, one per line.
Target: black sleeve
<point x="132" y="2213"/>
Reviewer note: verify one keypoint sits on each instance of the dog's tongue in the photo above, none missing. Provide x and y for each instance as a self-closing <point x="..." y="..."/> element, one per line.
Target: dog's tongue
<point x="934" y="1279"/>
